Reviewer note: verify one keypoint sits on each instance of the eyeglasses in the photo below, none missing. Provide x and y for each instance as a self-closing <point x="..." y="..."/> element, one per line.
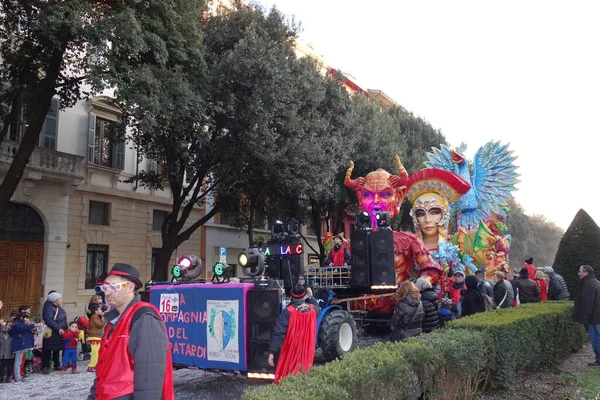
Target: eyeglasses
<point x="113" y="287"/>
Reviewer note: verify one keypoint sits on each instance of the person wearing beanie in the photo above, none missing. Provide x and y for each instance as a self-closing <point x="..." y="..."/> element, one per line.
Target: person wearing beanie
<point x="530" y="267"/>
<point x="527" y="290"/>
<point x="138" y="364"/>
<point x="557" y="287"/>
<point x="339" y="255"/>
<point x="94" y="332"/>
<point x="55" y="318"/>
<point x="294" y="335"/>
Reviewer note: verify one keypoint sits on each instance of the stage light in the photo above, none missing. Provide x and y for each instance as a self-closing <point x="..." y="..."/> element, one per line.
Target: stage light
<point x="384" y="219"/>
<point x="363" y="221"/>
<point x="293" y="227"/>
<point x="254" y="262"/>
<point x="220" y="270"/>
<point x="277" y="230"/>
<point x="185" y="264"/>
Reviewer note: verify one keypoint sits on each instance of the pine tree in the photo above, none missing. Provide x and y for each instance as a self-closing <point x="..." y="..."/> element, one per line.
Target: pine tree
<point x="580" y="245"/>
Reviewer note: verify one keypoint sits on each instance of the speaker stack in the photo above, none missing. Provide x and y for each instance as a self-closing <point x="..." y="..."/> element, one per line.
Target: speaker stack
<point x="381" y="247"/>
<point x="264" y="307"/>
<point x="360" y="259"/>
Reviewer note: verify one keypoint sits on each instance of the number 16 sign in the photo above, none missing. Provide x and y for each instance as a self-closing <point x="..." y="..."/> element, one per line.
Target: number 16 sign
<point x="169" y="303"/>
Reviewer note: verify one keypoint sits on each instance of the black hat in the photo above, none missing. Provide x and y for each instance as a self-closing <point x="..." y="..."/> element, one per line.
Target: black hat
<point x="93" y="307"/>
<point x="529" y="260"/>
<point x="298" y="291"/>
<point x="524" y="273"/>
<point x="128" y="272"/>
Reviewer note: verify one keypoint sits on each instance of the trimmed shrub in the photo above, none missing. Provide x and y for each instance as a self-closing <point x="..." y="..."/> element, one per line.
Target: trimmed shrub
<point x="525" y="338"/>
<point x="578" y="246"/>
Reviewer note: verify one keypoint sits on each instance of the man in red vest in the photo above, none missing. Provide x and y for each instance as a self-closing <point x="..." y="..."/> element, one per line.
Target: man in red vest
<point x="134" y="359"/>
<point x="339" y="255"/>
<point x="295" y="334"/>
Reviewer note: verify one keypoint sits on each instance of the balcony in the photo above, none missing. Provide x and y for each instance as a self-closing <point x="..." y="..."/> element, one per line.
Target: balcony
<point x="46" y="163"/>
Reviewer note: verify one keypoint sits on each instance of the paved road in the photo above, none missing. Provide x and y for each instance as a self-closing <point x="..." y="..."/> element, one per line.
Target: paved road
<point x="189" y="384"/>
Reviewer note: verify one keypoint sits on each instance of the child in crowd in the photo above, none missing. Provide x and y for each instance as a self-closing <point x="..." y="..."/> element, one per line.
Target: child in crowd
<point x="445" y="312"/>
<point x="94" y="330"/>
<point x="71" y="337"/>
<point x="6" y="357"/>
<point x="22" y="341"/>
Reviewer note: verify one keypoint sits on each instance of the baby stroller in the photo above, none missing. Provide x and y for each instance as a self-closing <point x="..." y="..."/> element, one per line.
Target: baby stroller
<point x="85" y="352"/>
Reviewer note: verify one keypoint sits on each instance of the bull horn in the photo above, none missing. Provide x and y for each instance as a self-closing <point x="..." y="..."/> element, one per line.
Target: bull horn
<point x="351" y="183"/>
<point x="401" y="180"/>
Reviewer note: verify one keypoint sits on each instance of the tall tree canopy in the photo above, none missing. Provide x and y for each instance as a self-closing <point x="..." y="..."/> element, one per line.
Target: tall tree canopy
<point x="51" y="47"/>
<point x="580" y="245"/>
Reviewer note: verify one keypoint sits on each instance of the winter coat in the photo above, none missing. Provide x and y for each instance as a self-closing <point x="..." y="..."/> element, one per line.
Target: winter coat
<point x="430" y="310"/>
<point x="95" y="326"/>
<point x="472" y="301"/>
<point x="586" y="309"/>
<point x="407" y="319"/>
<point x="557" y="288"/>
<point x="531" y="270"/>
<point x="455" y="291"/>
<point x="529" y="292"/>
<point x="500" y="290"/>
<point x="510" y="294"/>
<point x="54" y="342"/>
<point x="282" y="322"/>
<point x="445" y="316"/>
<point x="543" y="289"/>
<point x="5" y="347"/>
<point x="485" y="288"/>
<point x="22" y="336"/>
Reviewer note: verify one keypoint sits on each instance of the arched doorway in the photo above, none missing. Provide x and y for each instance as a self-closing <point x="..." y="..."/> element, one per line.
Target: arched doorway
<point x="21" y="258"/>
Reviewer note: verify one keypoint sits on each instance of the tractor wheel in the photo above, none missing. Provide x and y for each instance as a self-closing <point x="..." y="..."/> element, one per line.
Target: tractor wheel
<point x="337" y="334"/>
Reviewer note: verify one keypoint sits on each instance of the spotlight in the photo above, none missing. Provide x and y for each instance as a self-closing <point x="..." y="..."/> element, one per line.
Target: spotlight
<point x="254" y="262"/>
<point x="277" y="230"/>
<point x="363" y="221"/>
<point x="187" y="263"/>
<point x="383" y="219"/>
<point x="293" y="227"/>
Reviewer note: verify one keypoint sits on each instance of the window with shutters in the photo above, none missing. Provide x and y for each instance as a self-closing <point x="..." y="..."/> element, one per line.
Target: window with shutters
<point x="18" y="125"/>
<point x="106" y="145"/>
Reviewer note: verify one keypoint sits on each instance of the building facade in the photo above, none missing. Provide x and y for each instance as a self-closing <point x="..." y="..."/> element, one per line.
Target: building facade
<point x="73" y="216"/>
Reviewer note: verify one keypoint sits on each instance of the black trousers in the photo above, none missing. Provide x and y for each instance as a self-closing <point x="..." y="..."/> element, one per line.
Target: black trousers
<point x="46" y="353"/>
<point x="6" y="368"/>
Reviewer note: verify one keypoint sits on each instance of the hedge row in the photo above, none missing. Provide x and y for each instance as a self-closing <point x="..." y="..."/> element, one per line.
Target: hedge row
<point x="446" y="364"/>
<point x="525" y="338"/>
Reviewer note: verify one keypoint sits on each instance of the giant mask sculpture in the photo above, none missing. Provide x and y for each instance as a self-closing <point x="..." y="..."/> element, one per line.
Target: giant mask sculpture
<point x="379" y="190"/>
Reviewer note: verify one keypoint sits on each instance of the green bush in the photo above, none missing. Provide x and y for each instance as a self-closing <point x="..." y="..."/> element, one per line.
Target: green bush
<point x="525" y="338"/>
<point x="446" y="364"/>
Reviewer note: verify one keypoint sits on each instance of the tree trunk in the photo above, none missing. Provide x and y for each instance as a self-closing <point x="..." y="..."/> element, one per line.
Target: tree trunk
<point x="315" y="213"/>
<point x="30" y="140"/>
<point x="250" y="226"/>
<point x="163" y="258"/>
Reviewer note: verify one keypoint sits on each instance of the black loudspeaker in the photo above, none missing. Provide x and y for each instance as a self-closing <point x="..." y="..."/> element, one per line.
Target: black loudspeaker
<point x="359" y="242"/>
<point x="264" y="306"/>
<point x="381" y="246"/>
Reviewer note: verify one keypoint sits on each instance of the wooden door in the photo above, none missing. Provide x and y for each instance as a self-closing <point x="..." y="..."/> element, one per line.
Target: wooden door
<point x="20" y="275"/>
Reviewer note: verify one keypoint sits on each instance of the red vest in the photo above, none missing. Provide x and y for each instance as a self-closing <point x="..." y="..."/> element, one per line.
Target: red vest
<point x="114" y="371"/>
<point x="337" y="256"/>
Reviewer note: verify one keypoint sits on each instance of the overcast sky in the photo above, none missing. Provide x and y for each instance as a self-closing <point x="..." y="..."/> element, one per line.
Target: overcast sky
<point x="523" y="72"/>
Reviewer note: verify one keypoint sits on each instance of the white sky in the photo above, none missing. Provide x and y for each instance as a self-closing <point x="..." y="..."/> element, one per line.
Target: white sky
<point x="523" y="72"/>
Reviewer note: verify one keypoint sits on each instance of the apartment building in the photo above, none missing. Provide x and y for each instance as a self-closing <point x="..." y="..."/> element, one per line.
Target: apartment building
<point x="73" y="216"/>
